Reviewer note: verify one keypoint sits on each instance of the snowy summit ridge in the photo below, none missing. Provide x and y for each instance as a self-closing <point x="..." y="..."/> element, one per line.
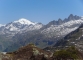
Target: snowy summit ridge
<point x="24" y="21"/>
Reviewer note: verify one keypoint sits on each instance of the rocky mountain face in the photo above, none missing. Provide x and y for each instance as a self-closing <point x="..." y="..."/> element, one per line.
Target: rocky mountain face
<point x="23" y="31"/>
<point x="74" y="38"/>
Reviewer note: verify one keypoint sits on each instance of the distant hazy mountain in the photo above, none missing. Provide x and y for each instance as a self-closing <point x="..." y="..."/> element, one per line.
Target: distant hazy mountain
<point x="23" y="31"/>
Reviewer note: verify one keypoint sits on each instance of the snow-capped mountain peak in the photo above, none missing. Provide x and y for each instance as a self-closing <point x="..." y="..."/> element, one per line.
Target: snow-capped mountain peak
<point x="20" y="26"/>
<point x="24" y="21"/>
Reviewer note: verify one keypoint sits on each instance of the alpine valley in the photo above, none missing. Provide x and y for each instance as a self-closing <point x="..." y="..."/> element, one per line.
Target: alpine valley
<point x="22" y="32"/>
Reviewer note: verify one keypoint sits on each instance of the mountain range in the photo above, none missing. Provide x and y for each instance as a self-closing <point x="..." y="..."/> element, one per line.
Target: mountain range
<point x="22" y="32"/>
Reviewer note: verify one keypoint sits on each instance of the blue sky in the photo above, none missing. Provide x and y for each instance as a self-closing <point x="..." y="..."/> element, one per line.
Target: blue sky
<point x="42" y="11"/>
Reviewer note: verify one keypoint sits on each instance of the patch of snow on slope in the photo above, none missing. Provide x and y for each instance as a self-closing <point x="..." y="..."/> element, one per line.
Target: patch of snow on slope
<point x="11" y="27"/>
